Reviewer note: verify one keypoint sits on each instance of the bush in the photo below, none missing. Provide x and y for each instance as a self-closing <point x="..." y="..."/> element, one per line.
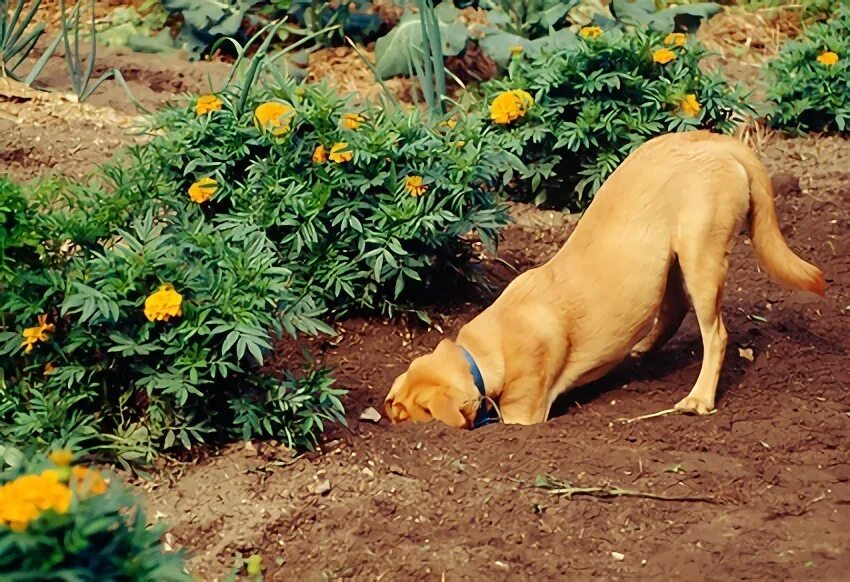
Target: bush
<point x="809" y="82"/>
<point x="154" y="336"/>
<point x="596" y="101"/>
<point x="147" y="317"/>
<point x="62" y="522"/>
<point x="359" y="228"/>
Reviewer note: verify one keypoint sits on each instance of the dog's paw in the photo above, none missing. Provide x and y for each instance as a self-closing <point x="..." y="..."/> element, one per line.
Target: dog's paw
<point x="694" y="405"/>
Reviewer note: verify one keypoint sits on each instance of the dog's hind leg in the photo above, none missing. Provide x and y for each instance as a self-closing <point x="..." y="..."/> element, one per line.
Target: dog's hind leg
<point x="704" y="269"/>
<point x="674" y="307"/>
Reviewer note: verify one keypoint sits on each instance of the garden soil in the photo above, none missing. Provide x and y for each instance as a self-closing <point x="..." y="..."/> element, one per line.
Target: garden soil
<point x="759" y="490"/>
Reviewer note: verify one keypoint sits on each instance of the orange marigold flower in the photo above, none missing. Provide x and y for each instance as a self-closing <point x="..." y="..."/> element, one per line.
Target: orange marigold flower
<point x="509" y="106"/>
<point x="207" y="104"/>
<point x="87" y="482"/>
<point x="24" y="499"/>
<point x="320" y="154"/>
<point x="202" y="190"/>
<point x="663" y="56"/>
<point x="49" y="368"/>
<point x="591" y="32"/>
<point x="274" y="116"/>
<point x="676" y="39"/>
<point x="351" y="120"/>
<point x="828" y="58"/>
<point x="414" y="186"/>
<point x="38" y="333"/>
<point x="164" y="304"/>
<point x="340" y="153"/>
<point x="689" y="106"/>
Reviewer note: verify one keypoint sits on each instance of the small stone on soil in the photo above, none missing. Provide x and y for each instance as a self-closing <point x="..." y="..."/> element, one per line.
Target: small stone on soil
<point x="618" y="556"/>
<point x="321" y="488"/>
<point x="501" y="566"/>
<point x="370" y="415"/>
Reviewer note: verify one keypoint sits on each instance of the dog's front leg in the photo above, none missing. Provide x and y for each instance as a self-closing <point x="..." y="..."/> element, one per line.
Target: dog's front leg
<point x="524" y="400"/>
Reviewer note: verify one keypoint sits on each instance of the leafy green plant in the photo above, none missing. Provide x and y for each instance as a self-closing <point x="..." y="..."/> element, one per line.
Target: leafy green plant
<point x="89" y="357"/>
<point x="252" y="213"/>
<point x="59" y="521"/>
<point x="808" y="79"/>
<point x="18" y="39"/>
<point x="205" y="22"/>
<point x="548" y="25"/>
<point x="142" y="29"/>
<point x="647" y="14"/>
<point x="401" y="47"/>
<point x="595" y="103"/>
<point x="529" y="20"/>
<point x="81" y="78"/>
<point x="332" y="189"/>
<point x="349" y="19"/>
<point x="19" y="241"/>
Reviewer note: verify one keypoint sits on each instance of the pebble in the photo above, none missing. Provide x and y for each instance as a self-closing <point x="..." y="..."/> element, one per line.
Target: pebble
<point x="371" y="415"/>
<point x="618" y="556"/>
<point x="322" y="487"/>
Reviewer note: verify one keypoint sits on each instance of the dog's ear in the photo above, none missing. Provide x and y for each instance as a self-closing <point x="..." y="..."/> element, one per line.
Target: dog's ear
<point x="390" y="401"/>
<point x="396" y="411"/>
<point x="441" y="407"/>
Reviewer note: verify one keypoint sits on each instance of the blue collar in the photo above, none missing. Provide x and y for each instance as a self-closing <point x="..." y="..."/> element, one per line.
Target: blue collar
<point x="484" y="415"/>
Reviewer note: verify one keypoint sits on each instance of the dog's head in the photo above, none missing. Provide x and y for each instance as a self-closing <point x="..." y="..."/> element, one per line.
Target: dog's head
<point x="436" y="386"/>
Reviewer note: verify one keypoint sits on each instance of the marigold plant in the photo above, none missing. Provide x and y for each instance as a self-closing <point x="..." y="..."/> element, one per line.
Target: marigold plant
<point x="74" y="523"/>
<point x="168" y="298"/>
<point x="808" y="80"/>
<point x="595" y="102"/>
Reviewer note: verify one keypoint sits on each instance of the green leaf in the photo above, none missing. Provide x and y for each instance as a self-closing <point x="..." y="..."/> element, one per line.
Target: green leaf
<point x="643" y="13"/>
<point x="395" y="50"/>
<point x="498" y="44"/>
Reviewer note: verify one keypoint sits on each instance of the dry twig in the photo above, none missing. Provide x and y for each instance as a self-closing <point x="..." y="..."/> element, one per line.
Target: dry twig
<point x="566" y="489"/>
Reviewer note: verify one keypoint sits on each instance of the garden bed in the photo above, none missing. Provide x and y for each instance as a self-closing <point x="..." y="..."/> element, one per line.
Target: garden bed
<point x="426" y="501"/>
<point x="772" y="466"/>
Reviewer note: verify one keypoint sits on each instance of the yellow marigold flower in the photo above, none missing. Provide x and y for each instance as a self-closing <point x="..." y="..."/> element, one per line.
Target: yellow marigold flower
<point x="320" y="154"/>
<point x="23" y="500"/>
<point x="591" y="32"/>
<point x="274" y="116"/>
<point x="352" y="120"/>
<point x="87" y="482"/>
<point x="414" y="186"/>
<point x="340" y="153"/>
<point x="19" y="515"/>
<point x="202" y="190"/>
<point x="690" y="106"/>
<point x="61" y="457"/>
<point x="164" y="304"/>
<point x="828" y="58"/>
<point x="676" y="39"/>
<point x="516" y="50"/>
<point x="663" y="56"/>
<point x="207" y="104"/>
<point x="449" y="123"/>
<point x="509" y="106"/>
<point x="38" y="333"/>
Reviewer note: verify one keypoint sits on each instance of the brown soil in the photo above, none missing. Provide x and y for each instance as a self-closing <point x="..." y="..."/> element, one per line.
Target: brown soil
<point x="428" y="502"/>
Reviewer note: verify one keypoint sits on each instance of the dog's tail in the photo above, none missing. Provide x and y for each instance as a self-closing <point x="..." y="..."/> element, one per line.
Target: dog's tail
<point x="773" y="252"/>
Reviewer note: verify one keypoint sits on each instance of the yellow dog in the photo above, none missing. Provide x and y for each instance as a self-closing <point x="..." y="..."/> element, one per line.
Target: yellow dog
<point x="653" y="242"/>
